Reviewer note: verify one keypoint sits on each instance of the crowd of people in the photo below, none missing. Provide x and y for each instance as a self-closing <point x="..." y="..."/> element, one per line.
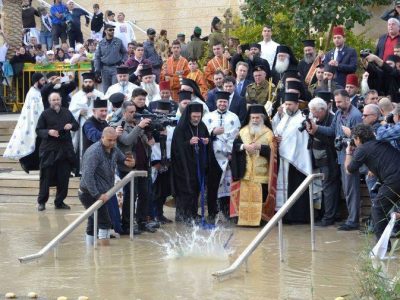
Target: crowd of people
<point x="239" y="137"/>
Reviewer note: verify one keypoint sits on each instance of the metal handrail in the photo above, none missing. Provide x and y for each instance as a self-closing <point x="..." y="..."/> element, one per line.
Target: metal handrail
<point x="90" y="211"/>
<point x="277" y="218"/>
<point x="91" y="14"/>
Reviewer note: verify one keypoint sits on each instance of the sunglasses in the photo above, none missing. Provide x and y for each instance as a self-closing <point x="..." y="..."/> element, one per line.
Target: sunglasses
<point x="110" y="29"/>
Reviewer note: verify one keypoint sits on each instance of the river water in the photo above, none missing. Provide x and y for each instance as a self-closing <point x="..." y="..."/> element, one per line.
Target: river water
<point x="168" y="264"/>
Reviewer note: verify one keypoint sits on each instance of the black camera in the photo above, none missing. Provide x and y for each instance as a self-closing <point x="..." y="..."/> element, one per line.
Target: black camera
<point x="342" y="142"/>
<point x="306" y="114"/>
<point x="365" y="52"/>
<point x="158" y="121"/>
<point x="389" y="119"/>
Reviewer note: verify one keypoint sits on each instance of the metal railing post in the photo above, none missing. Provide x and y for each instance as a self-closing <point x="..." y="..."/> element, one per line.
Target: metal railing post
<point x="310" y="188"/>
<point x="280" y="237"/>
<point x="92" y="210"/>
<point x="95" y="228"/>
<point x="132" y="208"/>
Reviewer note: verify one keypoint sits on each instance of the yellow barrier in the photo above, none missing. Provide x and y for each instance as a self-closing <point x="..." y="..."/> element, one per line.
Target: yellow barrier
<point x="14" y="95"/>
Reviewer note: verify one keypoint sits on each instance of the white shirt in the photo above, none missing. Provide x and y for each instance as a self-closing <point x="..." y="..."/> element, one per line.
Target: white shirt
<point x="3" y="52"/>
<point x="117" y="88"/>
<point x="124" y="31"/>
<point x="268" y="51"/>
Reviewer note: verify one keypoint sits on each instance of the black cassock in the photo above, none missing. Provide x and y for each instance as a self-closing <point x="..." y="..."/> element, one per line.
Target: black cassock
<point x="184" y="168"/>
<point x="303" y="68"/>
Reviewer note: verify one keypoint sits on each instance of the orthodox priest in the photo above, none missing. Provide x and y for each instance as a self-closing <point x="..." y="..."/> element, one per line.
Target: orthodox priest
<point x="308" y="65"/>
<point x="223" y="127"/>
<point x="81" y="107"/>
<point x="189" y="154"/>
<point x="295" y="160"/>
<point x="250" y="166"/>
<point x="23" y="144"/>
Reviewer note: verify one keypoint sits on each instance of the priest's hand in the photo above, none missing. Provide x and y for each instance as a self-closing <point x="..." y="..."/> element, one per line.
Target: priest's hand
<point x="68" y="126"/>
<point x="250" y="148"/>
<point x="194" y="140"/>
<point x="205" y="141"/>
<point x="130" y="162"/>
<point x="54" y="133"/>
<point x="218" y="130"/>
<point x="257" y="146"/>
<point x="311" y="127"/>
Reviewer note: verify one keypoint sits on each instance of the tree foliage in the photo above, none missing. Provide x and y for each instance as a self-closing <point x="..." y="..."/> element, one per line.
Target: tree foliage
<point x="316" y="15"/>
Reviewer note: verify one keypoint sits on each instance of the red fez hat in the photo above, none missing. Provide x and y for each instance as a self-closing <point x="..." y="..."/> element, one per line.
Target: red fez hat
<point x="352" y="79"/>
<point x="338" y="30"/>
<point x="164" y="85"/>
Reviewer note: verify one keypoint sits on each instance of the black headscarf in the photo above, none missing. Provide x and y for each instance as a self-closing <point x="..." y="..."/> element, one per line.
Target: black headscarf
<point x="257" y="109"/>
<point x="191" y="107"/>
<point x="194" y="86"/>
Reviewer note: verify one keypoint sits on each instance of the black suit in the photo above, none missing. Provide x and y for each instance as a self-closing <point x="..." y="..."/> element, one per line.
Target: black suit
<point x="347" y="63"/>
<point x="238" y="107"/>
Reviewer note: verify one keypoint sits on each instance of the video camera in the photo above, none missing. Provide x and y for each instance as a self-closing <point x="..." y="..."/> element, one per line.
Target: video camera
<point x="389" y="119"/>
<point x="342" y="142"/>
<point x="365" y="52"/>
<point x="159" y="122"/>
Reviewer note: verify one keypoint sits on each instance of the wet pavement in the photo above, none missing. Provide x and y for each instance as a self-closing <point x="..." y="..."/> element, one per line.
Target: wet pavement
<point x="142" y="268"/>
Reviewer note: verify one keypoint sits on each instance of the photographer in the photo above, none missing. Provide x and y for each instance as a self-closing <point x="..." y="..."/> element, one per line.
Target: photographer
<point x="349" y="116"/>
<point x="378" y="156"/>
<point x="161" y="161"/>
<point x="384" y="76"/>
<point x="324" y="161"/>
<point x="135" y="143"/>
<point x="390" y="131"/>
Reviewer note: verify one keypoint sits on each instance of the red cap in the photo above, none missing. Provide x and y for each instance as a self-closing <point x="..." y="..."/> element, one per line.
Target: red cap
<point x="338" y="30"/>
<point x="352" y="79"/>
<point x="164" y="85"/>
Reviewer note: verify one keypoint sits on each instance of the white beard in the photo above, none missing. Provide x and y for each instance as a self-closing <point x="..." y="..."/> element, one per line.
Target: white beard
<point x="281" y="66"/>
<point x="256" y="129"/>
<point x="150" y="88"/>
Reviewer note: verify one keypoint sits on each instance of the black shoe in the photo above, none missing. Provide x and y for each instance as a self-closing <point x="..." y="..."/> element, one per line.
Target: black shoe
<point x="154" y="223"/>
<point x="346" y="227"/>
<point x="147" y="227"/>
<point x="164" y="220"/>
<point x="62" y="206"/>
<point x="323" y="223"/>
<point x="41" y="207"/>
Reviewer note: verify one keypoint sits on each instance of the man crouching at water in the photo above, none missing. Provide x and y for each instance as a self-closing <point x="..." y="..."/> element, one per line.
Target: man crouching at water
<point x="98" y="169"/>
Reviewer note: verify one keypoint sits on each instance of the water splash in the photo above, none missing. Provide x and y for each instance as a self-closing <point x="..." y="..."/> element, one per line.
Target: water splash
<point x="199" y="243"/>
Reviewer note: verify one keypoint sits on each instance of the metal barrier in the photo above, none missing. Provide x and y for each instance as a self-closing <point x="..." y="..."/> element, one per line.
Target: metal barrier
<point x="14" y="95"/>
<point x="130" y="177"/>
<point x="277" y="218"/>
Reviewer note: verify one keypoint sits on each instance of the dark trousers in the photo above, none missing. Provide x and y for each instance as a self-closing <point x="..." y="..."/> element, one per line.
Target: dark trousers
<point x="161" y="190"/>
<point x="385" y="200"/>
<point x="59" y="31"/>
<point x="75" y="37"/>
<point x="330" y="192"/>
<point x="141" y="194"/>
<point x="103" y="217"/>
<point x="58" y="172"/>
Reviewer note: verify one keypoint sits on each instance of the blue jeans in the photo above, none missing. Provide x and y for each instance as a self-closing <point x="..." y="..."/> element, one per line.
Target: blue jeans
<point x="46" y="39"/>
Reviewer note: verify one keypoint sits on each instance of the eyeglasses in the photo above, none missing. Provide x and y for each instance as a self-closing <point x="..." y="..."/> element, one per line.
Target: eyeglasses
<point x="71" y="52"/>
<point x="110" y="29"/>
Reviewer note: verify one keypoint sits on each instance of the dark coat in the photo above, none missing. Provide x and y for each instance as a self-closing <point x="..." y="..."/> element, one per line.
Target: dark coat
<point x="238" y="107"/>
<point x="347" y="63"/>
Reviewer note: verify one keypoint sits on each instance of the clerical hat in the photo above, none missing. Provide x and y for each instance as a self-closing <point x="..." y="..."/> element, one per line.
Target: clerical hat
<point x="291" y="72"/>
<point x="163" y="105"/>
<point x="36" y="77"/>
<point x="283" y="49"/>
<point x="164" y="86"/>
<point x="255" y="45"/>
<point x="185" y="95"/>
<point x="294" y="97"/>
<point x="147" y="70"/>
<point x="51" y="74"/>
<point x="99" y="103"/>
<point x="88" y="76"/>
<point x="222" y="95"/>
<point x="117" y="99"/>
<point x="293" y="85"/>
<point x="122" y="70"/>
<point x="330" y="69"/>
<point x="194" y="107"/>
<point x="393" y="58"/>
<point x="257" y="109"/>
<point x="325" y="95"/>
<point x="309" y="43"/>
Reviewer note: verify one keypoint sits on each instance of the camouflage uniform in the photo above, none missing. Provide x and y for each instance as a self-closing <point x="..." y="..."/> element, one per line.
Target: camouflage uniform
<point x="258" y="94"/>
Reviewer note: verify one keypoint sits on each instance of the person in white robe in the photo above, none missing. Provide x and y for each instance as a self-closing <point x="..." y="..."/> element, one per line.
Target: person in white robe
<point x="23" y="139"/>
<point x="123" y="85"/>
<point x="81" y="107"/>
<point x="295" y="160"/>
<point x="223" y="126"/>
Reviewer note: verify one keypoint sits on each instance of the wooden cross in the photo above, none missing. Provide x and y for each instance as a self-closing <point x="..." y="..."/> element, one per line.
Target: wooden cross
<point x="228" y="23"/>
